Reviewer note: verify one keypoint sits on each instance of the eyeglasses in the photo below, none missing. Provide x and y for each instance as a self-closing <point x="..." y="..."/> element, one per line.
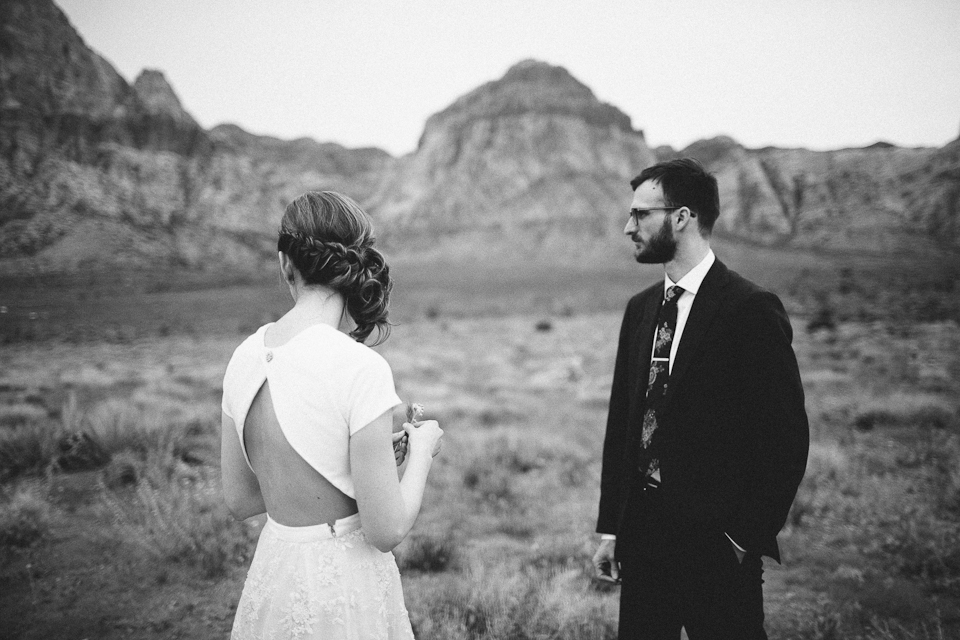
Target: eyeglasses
<point x="637" y="214"/>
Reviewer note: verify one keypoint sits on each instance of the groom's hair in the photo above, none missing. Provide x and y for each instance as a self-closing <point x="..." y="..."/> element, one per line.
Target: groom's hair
<point x="686" y="183"/>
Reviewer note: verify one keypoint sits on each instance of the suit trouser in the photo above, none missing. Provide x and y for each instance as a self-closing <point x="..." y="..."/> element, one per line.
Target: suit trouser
<point x="690" y="579"/>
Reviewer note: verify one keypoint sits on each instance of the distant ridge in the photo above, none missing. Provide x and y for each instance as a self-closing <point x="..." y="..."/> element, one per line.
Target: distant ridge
<point x="877" y="198"/>
<point x="96" y="173"/>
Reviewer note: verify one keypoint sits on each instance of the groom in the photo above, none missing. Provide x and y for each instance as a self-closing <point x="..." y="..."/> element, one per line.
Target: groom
<point x="707" y="435"/>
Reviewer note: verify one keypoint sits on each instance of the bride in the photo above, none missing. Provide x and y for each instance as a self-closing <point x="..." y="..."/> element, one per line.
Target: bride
<point x="307" y="438"/>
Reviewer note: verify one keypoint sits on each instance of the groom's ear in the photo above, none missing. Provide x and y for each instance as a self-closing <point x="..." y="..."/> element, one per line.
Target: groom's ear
<point x="684" y="216"/>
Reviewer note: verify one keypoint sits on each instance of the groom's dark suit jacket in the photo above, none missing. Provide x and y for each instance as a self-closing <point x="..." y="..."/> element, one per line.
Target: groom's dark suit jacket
<point x="733" y="430"/>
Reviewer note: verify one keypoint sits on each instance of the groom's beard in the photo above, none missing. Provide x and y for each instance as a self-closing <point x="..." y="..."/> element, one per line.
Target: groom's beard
<point x="659" y="249"/>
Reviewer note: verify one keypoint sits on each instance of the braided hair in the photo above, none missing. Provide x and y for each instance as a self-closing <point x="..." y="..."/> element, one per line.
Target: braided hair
<point x="329" y="239"/>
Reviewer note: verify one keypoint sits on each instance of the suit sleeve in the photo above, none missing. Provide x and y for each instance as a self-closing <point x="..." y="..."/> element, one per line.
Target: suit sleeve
<point x="775" y="402"/>
<point x="615" y="439"/>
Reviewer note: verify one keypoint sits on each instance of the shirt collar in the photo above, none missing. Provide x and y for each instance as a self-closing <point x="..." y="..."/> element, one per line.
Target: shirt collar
<point x="694" y="278"/>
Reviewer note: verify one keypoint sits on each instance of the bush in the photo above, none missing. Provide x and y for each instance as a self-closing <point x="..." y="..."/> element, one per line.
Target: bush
<point x="25" y="516"/>
<point x="20" y="415"/>
<point x="427" y="553"/>
<point x="898" y="409"/>
<point x="175" y="521"/>
<point x="30" y="449"/>
<point x="511" y="604"/>
<point x="918" y="545"/>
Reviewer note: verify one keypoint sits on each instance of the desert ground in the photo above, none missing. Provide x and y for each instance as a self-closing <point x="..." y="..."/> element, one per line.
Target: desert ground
<point x="516" y="365"/>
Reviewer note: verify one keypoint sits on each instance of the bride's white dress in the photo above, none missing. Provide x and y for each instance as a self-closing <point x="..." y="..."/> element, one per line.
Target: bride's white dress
<point x="305" y="582"/>
<point x="321" y="581"/>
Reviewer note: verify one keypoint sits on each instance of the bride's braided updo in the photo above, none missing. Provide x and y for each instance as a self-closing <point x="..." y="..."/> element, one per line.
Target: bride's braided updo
<point x="329" y="239"/>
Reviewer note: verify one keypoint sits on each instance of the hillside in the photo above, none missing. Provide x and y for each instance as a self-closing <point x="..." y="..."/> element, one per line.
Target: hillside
<point x="95" y="172"/>
<point x="879" y="198"/>
<point x="98" y="173"/>
<point x="533" y="151"/>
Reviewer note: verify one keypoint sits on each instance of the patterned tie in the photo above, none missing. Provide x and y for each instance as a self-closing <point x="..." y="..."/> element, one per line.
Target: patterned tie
<point x="657" y="383"/>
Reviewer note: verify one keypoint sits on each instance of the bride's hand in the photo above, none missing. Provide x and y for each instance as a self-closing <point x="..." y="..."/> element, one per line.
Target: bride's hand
<point x="425" y="436"/>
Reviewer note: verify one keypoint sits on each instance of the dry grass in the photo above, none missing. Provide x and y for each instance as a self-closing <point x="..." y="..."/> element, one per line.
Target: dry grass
<point x="502" y="547"/>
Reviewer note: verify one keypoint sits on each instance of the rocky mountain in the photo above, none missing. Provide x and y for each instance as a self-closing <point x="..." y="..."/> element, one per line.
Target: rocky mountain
<point x="534" y="150"/>
<point x="878" y="198"/>
<point x="96" y="172"/>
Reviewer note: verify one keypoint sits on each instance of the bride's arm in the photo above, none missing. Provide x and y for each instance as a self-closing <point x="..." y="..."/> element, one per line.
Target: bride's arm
<point x="241" y="489"/>
<point x="388" y="506"/>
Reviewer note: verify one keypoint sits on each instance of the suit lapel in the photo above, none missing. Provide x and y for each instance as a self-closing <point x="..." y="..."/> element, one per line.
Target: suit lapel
<point x="705" y="306"/>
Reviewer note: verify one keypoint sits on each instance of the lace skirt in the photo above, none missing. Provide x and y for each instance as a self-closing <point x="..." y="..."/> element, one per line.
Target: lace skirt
<point x="321" y="582"/>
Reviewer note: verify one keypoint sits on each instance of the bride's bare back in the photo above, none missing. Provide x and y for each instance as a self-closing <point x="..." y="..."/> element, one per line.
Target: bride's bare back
<point x="295" y="494"/>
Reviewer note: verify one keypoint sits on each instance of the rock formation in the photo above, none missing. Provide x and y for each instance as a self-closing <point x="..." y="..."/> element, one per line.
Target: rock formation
<point x="97" y="173"/>
<point x="533" y="151"/>
<point x="881" y="197"/>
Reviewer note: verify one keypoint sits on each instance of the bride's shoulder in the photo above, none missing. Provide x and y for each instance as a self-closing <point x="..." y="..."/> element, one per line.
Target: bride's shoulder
<point x="339" y="349"/>
<point x="253" y="340"/>
<point x="249" y="348"/>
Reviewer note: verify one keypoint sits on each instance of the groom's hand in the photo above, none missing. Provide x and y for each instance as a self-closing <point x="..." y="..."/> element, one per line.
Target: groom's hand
<point x="605" y="566"/>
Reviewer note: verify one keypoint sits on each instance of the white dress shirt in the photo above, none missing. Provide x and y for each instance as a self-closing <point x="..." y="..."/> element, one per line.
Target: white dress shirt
<point x="690" y="283"/>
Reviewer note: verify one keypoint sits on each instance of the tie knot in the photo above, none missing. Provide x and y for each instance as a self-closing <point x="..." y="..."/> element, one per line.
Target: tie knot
<point x="673" y="293"/>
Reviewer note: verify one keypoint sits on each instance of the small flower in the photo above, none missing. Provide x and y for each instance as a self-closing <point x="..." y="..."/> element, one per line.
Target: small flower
<point x="414" y="412"/>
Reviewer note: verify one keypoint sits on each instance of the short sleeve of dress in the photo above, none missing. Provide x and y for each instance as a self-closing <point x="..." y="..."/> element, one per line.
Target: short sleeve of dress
<point x="372" y="393"/>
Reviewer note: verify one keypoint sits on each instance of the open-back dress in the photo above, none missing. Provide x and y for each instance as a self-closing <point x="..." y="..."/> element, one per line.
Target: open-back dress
<point x="325" y="580"/>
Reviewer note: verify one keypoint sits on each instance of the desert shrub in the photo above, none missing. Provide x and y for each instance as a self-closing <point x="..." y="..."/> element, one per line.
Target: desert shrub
<point x="900" y="410"/>
<point x="496" y="416"/>
<point x="427" y="553"/>
<point x="521" y="454"/>
<point x="181" y="449"/>
<point x="25" y="516"/>
<point x="29" y="449"/>
<point x="850" y="620"/>
<point x="829" y="623"/>
<point x="489" y="604"/>
<point x="181" y="523"/>
<point x="559" y="555"/>
<point x="828" y="470"/>
<point x="919" y="545"/>
<point x="947" y="477"/>
<point x="44" y="446"/>
<point x="124" y="470"/>
<point x="492" y="484"/>
<point x="516" y="523"/>
<point x="18" y="415"/>
<point x="543" y="326"/>
<point x="823" y="318"/>
<point x="504" y="468"/>
<point x="121" y="426"/>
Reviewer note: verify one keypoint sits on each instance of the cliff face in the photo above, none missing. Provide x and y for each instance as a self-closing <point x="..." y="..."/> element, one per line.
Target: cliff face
<point x="97" y="172"/>
<point x="533" y="150"/>
<point x="876" y="198"/>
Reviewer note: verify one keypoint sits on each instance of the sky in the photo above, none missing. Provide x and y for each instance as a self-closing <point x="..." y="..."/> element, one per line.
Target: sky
<point x="821" y="74"/>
